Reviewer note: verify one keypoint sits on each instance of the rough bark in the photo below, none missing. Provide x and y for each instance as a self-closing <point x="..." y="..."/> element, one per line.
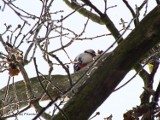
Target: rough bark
<point x="111" y="71"/>
<point x="61" y="81"/>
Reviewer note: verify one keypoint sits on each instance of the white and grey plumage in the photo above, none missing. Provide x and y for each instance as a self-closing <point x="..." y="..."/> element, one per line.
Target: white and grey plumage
<point x="83" y="59"/>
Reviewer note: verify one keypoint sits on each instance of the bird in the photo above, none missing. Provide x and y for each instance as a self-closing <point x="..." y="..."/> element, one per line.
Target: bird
<point x="83" y="59"/>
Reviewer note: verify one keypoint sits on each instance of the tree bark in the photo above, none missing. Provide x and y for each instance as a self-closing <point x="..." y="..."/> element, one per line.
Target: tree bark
<point x="60" y="81"/>
<point x="111" y="71"/>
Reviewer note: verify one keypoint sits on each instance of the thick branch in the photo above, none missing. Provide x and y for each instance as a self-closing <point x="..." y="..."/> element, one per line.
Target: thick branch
<point x="103" y="81"/>
<point x="60" y="81"/>
<point x="85" y="12"/>
<point x="101" y="19"/>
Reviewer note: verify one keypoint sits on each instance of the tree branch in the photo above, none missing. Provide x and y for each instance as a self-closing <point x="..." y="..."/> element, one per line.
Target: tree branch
<point x="102" y="18"/>
<point x="84" y="12"/>
<point x="61" y="81"/>
<point x="103" y="81"/>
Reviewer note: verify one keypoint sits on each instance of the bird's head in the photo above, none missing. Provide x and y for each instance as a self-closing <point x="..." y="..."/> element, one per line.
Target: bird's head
<point x="91" y="52"/>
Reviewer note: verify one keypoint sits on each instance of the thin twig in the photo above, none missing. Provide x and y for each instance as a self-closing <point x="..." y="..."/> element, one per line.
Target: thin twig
<point x="134" y="15"/>
<point x="38" y="77"/>
<point x="71" y="13"/>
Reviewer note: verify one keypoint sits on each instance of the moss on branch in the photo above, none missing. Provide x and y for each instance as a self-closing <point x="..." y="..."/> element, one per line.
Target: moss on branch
<point x="112" y="70"/>
<point x="60" y="81"/>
